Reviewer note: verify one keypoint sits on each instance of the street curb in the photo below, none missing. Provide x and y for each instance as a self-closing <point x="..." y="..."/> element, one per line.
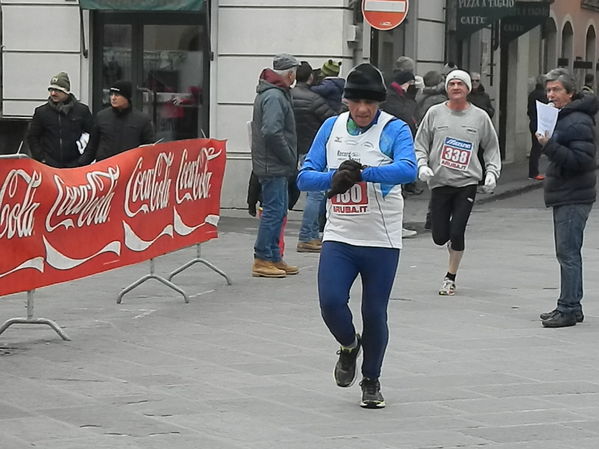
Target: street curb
<point x="510" y="192"/>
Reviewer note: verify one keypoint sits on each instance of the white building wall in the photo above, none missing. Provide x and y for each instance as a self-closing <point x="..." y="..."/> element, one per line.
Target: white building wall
<point x="40" y="39"/>
<point x="517" y="142"/>
<point x="429" y="34"/>
<point x="246" y="35"/>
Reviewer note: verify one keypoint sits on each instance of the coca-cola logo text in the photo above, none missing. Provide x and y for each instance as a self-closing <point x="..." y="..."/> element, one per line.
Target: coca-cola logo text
<point x="149" y="190"/>
<point x="17" y="215"/>
<point x="85" y="204"/>
<point x="193" y="178"/>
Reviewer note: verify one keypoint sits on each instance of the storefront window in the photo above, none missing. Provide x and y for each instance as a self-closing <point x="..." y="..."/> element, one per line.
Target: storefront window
<point x="164" y="57"/>
<point x="173" y="77"/>
<point x="116" y="57"/>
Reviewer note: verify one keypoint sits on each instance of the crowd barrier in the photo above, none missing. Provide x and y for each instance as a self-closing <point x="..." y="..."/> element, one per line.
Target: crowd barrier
<point x="58" y="225"/>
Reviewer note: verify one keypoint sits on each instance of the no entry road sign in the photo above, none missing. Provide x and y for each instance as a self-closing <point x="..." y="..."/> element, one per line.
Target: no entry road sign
<point x="384" y="14"/>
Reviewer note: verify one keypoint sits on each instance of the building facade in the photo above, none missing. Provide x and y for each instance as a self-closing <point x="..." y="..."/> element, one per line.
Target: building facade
<point x="195" y="63"/>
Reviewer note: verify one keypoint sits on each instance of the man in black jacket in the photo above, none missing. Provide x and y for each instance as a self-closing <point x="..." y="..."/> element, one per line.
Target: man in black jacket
<point x="60" y="127"/>
<point x="119" y="127"/>
<point x="311" y="110"/>
<point x="569" y="184"/>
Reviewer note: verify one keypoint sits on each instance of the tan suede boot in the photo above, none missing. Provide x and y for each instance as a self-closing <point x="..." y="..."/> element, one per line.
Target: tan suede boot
<point x="313" y="246"/>
<point x="288" y="269"/>
<point x="266" y="269"/>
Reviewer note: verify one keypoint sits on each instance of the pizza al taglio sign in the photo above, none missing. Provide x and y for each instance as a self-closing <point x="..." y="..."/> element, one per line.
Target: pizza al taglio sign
<point x="384" y="15"/>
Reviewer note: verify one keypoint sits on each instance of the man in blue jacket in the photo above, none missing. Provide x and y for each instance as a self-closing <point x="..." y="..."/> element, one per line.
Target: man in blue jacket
<point x="569" y="188"/>
<point x="362" y="157"/>
<point x="274" y="160"/>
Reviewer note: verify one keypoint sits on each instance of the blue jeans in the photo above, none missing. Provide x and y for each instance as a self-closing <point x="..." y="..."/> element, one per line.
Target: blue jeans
<point x="310" y="226"/>
<point x="274" y="209"/>
<point x="568" y="229"/>
<point x="338" y="268"/>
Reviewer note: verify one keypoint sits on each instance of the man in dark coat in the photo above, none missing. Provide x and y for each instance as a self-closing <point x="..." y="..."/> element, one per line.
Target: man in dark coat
<point x="274" y="160"/>
<point x="119" y="127"/>
<point x="569" y="187"/>
<point x="432" y="94"/>
<point x="478" y="97"/>
<point x="60" y="128"/>
<point x="311" y="110"/>
<point x="329" y="85"/>
<point x="399" y="103"/>
<point x="538" y="94"/>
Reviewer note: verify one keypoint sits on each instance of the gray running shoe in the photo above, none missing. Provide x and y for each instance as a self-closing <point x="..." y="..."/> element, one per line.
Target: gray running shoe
<point x="371" y="394"/>
<point x="346" y="366"/>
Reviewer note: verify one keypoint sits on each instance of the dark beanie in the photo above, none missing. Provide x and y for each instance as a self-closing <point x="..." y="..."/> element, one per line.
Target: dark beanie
<point x="403" y="77"/>
<point x="304" y="70"/>
<point x="365" y="82"/>
<point x="123" y="88"/>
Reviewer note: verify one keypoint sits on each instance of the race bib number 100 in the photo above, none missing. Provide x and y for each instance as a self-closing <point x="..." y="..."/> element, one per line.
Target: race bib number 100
<point x="456" y="153"/>
<point x="352" y="202"/>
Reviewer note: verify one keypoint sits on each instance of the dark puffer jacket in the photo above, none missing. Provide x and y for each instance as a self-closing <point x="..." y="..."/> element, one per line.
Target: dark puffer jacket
<point x="430" y="96"/>
<point x="310" y="110"/>
<point x="55" y="130"/>
<point x="274" y="141"/>
<point x="482" y="100"/>
<point x="331" y="89"/>
<point x="570" y="177"/>
<point x="400" y="105"/>
<point x="116" y="131"/>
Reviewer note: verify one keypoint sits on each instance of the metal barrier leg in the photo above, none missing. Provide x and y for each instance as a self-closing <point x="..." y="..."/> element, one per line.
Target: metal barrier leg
<point x="200" y="259"/>
<point x="143" y="279"/>
<point x="31" y="320"/>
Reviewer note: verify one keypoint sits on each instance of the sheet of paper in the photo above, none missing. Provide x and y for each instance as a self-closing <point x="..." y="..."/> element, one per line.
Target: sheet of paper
<point x="546" y="118"/>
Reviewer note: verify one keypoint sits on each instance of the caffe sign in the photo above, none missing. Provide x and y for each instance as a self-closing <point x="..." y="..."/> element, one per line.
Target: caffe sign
<point x="473" y="15"/>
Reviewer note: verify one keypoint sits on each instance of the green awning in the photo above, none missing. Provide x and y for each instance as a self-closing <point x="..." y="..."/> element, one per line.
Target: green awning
<point x="473" y="15"/>
<point x="142" y="5"/>
<point x="529" y="15"/>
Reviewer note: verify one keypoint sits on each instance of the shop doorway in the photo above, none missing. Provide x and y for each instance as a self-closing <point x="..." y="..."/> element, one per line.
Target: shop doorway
<point x="166" y="57"/>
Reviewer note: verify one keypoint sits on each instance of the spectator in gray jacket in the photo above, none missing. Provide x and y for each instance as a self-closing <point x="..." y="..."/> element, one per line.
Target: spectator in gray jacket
<point x="274" y="160"/>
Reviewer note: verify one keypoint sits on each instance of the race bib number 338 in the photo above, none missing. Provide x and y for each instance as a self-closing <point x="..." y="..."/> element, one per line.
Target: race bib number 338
<point x="352" y="202"/>
<point x="456" y="153"/>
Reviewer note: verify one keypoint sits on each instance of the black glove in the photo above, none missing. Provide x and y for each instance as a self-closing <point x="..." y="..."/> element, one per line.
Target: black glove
<point x="352" y="166"/>
<point x="342" y="181"/>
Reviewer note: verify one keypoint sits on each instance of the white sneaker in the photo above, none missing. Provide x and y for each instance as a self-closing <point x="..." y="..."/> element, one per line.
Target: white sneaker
<point x="407" y="233"/>
<point x="448" y="287"/>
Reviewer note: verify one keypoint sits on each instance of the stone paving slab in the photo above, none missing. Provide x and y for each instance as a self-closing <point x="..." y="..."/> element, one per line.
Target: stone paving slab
<point x="249" y="366"/>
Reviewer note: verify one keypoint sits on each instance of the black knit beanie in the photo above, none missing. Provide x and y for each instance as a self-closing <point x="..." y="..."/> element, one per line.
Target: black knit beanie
<point x="365" y="82"/>
<point x="123" y="88"/>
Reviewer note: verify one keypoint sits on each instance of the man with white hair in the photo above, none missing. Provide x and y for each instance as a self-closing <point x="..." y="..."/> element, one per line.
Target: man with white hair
<point x="274" y="160"/>
<point x="447" y="143"/>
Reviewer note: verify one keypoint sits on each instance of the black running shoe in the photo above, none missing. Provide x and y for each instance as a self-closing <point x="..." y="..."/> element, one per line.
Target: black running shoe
<point x="371" y="394"/>
<point x="345" y="369"/>
<point x="560" y="319"/>
<point x="547" y="315"/>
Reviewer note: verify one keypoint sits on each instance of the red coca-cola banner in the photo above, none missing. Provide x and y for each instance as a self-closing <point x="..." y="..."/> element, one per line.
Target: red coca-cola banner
<point x="57" y="225"/>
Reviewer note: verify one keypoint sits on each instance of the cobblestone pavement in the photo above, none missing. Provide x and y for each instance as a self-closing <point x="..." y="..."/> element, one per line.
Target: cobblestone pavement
<point x="249" y="366"/>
